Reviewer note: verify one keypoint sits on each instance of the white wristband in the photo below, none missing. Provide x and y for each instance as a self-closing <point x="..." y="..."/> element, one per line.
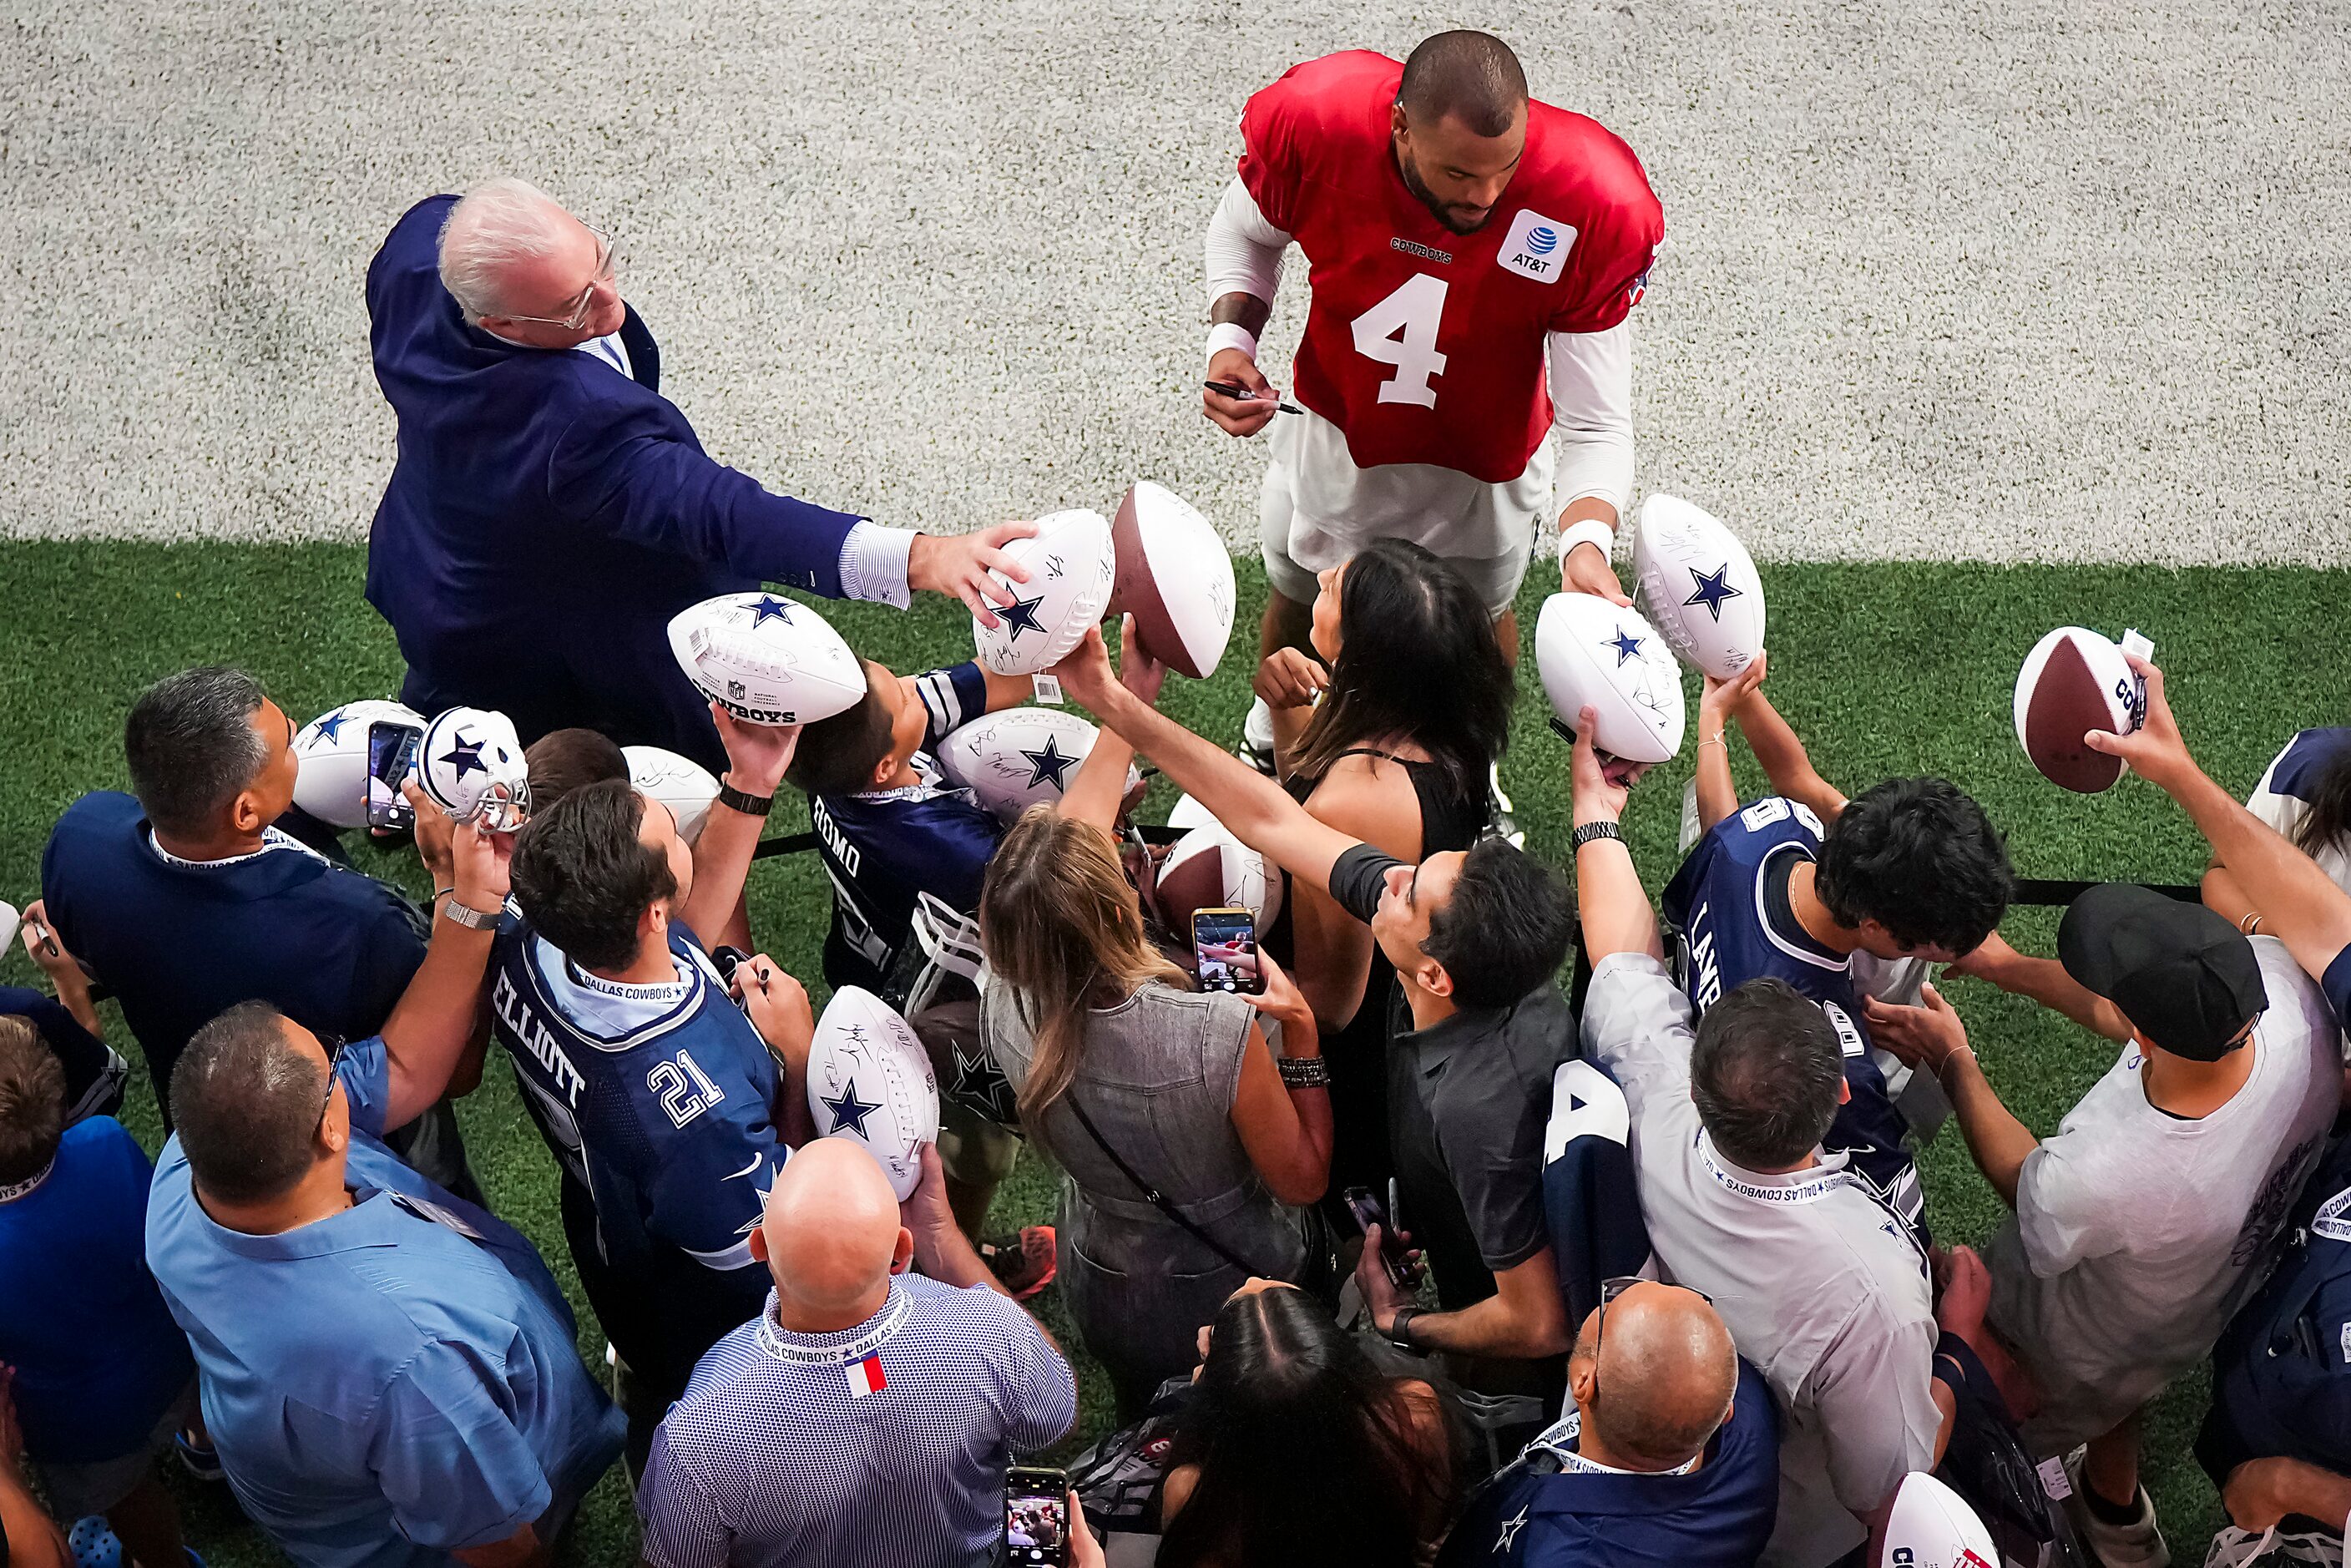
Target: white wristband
<point x="1587" y="531"/>
<point x="1232" y="335"/>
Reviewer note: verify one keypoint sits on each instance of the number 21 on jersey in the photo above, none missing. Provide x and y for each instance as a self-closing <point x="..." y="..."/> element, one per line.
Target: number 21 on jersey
<point x="1401" y="331"/>
<point x="682" y="1099"/>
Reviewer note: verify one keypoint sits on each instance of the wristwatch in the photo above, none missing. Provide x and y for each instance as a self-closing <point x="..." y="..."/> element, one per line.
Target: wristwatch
<point x="466" y="916"/>
<point x="1400" y="1328"/>
<point x="1591" y="832"/>
<point x="735" y="800"/>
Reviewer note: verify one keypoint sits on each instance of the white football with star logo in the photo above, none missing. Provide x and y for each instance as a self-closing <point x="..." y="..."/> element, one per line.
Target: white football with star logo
<point x="1072" y="566"/>
<point x="330" y="758"/>
<point x="765" y="659"/>
<point x="1593" y="654"/>
<point x="1013" y="759"/>
<point x="1698" y="586"/>
<point x="870" y="1080"/>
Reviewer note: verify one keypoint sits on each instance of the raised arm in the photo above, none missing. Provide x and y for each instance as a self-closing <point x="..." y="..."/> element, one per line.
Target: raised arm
<point x="430" y="1038"/>
<point x="1785" y="762"/>
<point x="2300" y="905"/>
<point x="1608" y="891"/>
<point x="1253" y="808"/>
<point x="1718" y="792"/>
<point x="1099" y="788"/>
<point x="757" y="756"/>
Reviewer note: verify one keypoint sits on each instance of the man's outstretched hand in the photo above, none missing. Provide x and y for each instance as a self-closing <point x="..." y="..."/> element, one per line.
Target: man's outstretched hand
<point x="958" y="565"/>
<point x="2154" y="751"/>
<point x="1586" y="568"/>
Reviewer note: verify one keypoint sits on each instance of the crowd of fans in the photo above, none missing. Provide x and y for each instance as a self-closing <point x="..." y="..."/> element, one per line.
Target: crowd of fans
<point x="387" y="1370"/>
<point x="1515" y="1219"/>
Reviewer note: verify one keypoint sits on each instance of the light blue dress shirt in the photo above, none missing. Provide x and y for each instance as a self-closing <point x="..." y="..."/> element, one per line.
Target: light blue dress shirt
<point x="388" y="1385"/>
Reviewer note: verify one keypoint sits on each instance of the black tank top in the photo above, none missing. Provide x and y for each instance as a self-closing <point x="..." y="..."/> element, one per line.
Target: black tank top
<point x="1449" y="819"/>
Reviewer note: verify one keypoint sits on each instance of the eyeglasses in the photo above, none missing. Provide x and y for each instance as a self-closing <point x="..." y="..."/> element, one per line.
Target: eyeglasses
<point x="608" y="273"/>
<point x="332" y="1044"/>
<point x="1610" y="1290"/>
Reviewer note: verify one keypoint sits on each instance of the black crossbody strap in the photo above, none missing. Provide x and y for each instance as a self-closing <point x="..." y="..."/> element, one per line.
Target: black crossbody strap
<point x="1158" y="1199"/>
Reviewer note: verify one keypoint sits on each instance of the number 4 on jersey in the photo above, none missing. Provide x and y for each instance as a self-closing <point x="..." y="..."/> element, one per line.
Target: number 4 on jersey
<point x="1401" y="331"/>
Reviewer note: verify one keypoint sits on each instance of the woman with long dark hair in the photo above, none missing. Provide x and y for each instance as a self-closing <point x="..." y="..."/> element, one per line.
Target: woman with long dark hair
<point x="1294" y="1450"/>
<point x="2305" y="795"/>
<point x="1388" y="733"/>
<point x="1189" y="1149"/>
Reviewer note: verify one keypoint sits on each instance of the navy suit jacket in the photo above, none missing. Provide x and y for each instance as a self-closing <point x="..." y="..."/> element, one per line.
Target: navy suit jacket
<point x="547" y="515"/>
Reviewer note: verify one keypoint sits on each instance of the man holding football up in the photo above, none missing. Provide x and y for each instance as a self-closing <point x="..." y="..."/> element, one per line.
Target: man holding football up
<point x="1473" y="255"/>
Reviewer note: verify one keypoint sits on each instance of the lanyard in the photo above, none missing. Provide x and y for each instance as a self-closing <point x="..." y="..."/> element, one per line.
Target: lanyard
<point x="1569" y="1428"/>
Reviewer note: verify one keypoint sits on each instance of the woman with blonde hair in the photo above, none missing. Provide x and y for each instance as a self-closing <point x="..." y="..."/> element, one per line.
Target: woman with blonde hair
<point x="1190" y="1150"/>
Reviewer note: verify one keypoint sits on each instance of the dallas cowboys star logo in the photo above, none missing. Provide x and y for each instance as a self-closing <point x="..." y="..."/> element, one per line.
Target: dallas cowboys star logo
<point x="1627" y="646"/>
<point x="849" y="1110"/>
<point x="1020" y="615"/>
<point x="981" y="1084"/>
<point x="771" y="608"/>
<point x="1712" y="589"/>
<point x="1510" y="1528"/>
<point x="330" y="727"/>
<point x="1050" y="765"/>
<point x="466" y="758"/>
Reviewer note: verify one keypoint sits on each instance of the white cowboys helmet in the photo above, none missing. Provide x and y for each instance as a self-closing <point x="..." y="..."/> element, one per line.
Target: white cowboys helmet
<point x="471" y="766"/>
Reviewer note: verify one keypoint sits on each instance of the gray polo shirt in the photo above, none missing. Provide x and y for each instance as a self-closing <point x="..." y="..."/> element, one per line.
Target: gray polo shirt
<point x="1468" y="1101"/>
<point x="1821" y="1286"/>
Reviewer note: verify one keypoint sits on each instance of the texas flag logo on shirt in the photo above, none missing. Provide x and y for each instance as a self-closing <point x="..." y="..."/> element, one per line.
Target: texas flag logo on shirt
<point x="865" y="1377"/>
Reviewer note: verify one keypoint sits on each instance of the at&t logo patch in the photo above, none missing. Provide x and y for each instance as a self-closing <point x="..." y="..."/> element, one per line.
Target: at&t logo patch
<point x="1536" y="247"/>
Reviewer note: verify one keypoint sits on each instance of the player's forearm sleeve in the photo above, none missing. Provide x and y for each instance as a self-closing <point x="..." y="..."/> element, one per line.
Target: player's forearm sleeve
<point x="1243" y="250"/>
<point x="1592" y="413"/>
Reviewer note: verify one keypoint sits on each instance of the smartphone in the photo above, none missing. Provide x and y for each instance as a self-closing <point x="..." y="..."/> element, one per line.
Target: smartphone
<point x="1036" y="1517"/>
<point x="1367" y="1213"/>
<point x="1223" y="943"/>
<point x="391" y="758"/>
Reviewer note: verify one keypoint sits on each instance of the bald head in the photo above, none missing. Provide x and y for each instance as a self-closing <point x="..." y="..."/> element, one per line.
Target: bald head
<point x="1663" y="1378"/>
<point x="831" y="1232"/>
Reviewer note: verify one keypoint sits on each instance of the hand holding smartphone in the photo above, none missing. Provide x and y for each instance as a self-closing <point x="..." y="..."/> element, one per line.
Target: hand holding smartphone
<point x="1223" y="947"/>
<point x="391" y="758"/>
<point x="1036" y="1517"/>
<point x="1367" y="1213"/>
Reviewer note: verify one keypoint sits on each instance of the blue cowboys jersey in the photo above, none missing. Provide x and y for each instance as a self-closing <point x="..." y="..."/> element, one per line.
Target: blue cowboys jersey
<point x="883" y="848"/>
<point x="658" y="1100"/>
<point x="1728" y="909"/>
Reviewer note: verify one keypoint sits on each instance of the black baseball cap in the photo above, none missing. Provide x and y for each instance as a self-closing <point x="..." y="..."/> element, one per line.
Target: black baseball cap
<point x="2186" y="979"/>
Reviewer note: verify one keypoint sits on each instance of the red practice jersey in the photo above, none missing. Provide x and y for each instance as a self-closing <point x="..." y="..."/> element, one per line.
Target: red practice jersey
<point x="1425" y="345"/>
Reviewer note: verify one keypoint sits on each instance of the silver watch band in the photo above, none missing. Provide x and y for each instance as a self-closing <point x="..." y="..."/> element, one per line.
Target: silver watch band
<point x="469" y="917"/>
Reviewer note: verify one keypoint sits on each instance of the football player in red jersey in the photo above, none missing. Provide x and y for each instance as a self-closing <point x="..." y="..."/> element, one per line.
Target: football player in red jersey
<point x="1472" y="256"/>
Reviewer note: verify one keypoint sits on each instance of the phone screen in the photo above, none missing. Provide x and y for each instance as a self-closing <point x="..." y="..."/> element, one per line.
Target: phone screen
<point x="1367" y="1213"/>
<point x="1224" y="941"/>
<point x="392" y="756"/>
<point x="1036" y="1518"/>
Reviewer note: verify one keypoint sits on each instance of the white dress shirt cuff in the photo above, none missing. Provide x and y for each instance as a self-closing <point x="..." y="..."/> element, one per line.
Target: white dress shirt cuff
<point x="873" y="564"/>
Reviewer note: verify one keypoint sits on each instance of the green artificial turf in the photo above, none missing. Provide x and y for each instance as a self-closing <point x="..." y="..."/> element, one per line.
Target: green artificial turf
<point x="1883" y="668"/>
